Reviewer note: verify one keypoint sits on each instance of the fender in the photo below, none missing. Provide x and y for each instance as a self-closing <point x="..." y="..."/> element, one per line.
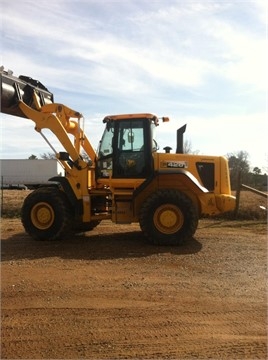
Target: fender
<point x="188" y="178"/>
<point x="64" y="183"/>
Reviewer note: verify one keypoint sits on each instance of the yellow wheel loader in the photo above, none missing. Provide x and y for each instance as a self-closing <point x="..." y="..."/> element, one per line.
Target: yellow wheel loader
<point x="126" y="180"/>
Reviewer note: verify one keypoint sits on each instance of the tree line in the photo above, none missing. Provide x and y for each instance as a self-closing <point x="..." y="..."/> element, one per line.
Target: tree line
<point x="240" y="168"/>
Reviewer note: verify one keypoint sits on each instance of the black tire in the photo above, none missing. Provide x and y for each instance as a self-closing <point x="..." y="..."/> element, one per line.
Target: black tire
<point x="83" y="227"/>
<point x="168" y="217"/>
<point x="46" y="214"/>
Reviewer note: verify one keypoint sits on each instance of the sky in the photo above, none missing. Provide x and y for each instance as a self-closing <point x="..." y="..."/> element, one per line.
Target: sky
<point x="201" y="63"/>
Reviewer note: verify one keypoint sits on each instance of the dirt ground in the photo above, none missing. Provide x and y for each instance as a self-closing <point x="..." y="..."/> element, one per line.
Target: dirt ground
<point x="109" y="295"/>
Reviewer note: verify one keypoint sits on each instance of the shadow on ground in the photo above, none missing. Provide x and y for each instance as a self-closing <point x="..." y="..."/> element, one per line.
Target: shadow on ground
<point x="90" y="246"/>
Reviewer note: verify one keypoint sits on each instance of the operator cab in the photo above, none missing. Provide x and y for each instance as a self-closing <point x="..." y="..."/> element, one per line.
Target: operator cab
<point x="125" y="150"/>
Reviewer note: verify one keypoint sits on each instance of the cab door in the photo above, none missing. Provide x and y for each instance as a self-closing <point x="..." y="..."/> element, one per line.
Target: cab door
<point x="132" y="155"/>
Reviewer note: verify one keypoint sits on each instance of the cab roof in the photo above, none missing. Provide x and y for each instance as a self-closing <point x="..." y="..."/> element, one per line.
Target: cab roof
<point x="129" y="116"/>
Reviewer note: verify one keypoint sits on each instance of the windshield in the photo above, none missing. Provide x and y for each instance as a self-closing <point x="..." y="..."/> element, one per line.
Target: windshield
<point x="130" y="135"/>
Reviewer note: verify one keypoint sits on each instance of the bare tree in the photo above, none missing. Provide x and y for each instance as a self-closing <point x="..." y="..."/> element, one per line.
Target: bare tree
<point x="187" y="147"/>
<point x="47" y="156"/>
<point x="238" y="165"/>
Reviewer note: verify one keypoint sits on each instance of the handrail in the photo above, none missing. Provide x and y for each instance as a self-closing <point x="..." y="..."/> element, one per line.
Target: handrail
<point x="254" y="190"/>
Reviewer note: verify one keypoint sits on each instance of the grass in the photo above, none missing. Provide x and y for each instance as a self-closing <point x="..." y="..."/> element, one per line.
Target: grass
<point x="11" y="202"/>
<point x="249" y="207"/>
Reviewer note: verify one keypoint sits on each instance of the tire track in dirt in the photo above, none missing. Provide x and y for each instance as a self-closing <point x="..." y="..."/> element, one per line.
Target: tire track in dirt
<point x="119" y="298"/>
<point x="150" y="331"/>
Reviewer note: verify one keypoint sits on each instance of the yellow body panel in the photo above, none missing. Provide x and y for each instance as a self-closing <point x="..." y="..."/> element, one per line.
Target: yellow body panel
<point x="175" y="171"/>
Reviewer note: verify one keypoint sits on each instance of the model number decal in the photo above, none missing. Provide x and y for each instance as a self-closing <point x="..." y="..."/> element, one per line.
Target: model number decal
<point x="175" y="164"/>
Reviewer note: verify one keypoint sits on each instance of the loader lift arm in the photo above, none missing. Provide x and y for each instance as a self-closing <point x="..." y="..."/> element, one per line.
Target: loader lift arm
<point x="59" y="119"/>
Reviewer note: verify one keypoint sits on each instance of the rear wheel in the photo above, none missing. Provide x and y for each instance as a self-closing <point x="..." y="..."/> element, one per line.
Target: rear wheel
<point x="46" y="214"/>
<point x="168" y="217"/>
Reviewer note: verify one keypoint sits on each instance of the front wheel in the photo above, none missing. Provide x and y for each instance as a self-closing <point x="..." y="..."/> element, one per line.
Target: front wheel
<point x="168" y="217"/>
<point x="46" y="214"/>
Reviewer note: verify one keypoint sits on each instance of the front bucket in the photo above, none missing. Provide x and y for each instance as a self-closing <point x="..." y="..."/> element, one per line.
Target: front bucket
<point x="14" y="89"/>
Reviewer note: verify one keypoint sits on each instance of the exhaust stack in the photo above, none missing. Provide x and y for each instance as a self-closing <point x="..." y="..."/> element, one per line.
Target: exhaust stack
<point x="180" y="132"/>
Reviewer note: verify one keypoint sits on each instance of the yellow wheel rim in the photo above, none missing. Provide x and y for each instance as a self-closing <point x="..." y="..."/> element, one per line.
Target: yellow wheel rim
<point x="168" y="219"/>
<point x="42" y="215"/>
